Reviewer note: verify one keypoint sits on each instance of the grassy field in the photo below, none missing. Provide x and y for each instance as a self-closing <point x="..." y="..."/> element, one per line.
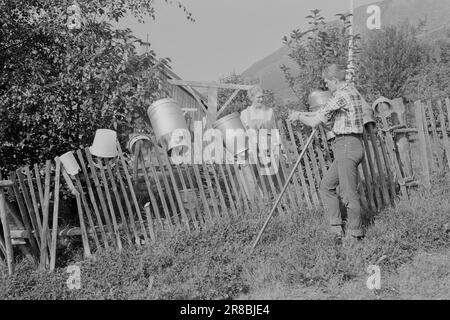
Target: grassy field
<point x="296" y="259"/>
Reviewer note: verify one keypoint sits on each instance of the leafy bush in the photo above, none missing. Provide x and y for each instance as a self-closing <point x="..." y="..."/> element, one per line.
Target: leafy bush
<point x="57" y="86"/>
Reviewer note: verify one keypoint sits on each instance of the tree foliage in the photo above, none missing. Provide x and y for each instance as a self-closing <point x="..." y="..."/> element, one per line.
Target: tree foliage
<point x="58" y="85"/>
<point x="313" y="49"/>
<point x="389" y="58"/>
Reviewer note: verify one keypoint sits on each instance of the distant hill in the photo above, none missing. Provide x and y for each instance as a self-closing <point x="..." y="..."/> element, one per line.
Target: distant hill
<point x="435" y="12"/>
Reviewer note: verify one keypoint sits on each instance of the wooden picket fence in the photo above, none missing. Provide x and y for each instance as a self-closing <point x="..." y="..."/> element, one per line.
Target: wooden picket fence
<point x="117" y="207"/>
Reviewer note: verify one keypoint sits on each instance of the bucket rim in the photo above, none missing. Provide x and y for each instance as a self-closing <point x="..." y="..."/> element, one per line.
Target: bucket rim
<point x="159" y="102"/>
<point x="103" y="154"/>
<point x="225" y="118"/>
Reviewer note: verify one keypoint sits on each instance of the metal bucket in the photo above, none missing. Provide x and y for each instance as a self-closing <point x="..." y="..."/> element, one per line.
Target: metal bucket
<point x="318" y="99"/>
<point x="232" y="131"/>
<point x="166" y="117"/>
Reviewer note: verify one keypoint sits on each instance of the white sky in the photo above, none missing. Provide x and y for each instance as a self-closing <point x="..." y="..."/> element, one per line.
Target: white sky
<point x="228" y="35"/>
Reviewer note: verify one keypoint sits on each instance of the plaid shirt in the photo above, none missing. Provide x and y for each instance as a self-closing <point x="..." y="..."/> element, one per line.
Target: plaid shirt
<point x="346" y="109"/>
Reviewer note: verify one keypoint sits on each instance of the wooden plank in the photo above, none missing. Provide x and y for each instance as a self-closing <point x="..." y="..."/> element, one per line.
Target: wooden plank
<point x="241" y="186"/>
<point x="444" y="129"/>
<point x="8" y="249"/>
<point x="209" y="84"/>
<point x="33" y="199"/>
<point x="197" y="206"/>
<point x="37" y="175"/>
<point x="29" y="206"/>
<point x="166" y="184"/>
<point x="315" y="174"/>
<point x="228" y="190"/>
<point x="369" y="184"/>
<point x="172" y="187"/>
<point x="45" y="211"/>
<point x="288" y="202"/>
<point x="110" y="204"/>
<point x="312" y="187"/>
<point x="84" y="235"/>
<point x="422" y="144"/>
<point x="224" y="210"/>
<point x="23" y="214"/>
<point x="375" y="177"/>
<point x="150" y="221"/>
<point x="283" y="171"/>
<point x="54" y="232"/>
<point x="388" y="165"/>
<point x="299" y="171"/>
<point x="384" y="188"/>
<point x="210" y="190"/>
<point x="436" y="141"/>
<point x="185" y="191"/>
<point x="152" y="196"/>
<point x="161" y="197"/>
<point x="87" y="210"/>
<point x="426" y="131"/>
<point x="320" y="156"/>
<point x="225" y="105"/>
<point x="202" y="192"/>
<point x="99" y="192"/>
<point x="119" y="203"/>
<point x="133" y="193"/>
<point x="92" y="198"/>
<point x="128" y="205"/>
<point x="323" y="136"/>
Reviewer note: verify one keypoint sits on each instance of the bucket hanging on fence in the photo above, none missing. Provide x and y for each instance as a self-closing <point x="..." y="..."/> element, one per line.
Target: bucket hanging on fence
<point x="135" y="138"/>
<point x="233" y="133"/>
<point x="104" y="145"/>
<point x="168" y="123"/>
<point x="70" y="163"/>
<point x="318" y="99"/>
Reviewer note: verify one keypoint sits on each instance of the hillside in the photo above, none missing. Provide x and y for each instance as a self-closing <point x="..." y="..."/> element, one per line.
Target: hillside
<point x="435" y="12"/>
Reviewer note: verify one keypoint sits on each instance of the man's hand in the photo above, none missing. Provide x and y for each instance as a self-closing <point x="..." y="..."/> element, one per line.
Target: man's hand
<point x="297" y="115"/>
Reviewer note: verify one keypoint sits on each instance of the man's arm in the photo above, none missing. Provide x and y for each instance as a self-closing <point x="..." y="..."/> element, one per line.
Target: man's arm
<point x="307" y="118"/>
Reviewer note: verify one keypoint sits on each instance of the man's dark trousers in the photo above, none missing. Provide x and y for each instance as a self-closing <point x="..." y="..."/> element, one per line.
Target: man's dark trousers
<point x="348" y="153"/>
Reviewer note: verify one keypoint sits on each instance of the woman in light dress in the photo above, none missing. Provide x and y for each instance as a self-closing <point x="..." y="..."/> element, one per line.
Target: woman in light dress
<point x="258" y="116"/>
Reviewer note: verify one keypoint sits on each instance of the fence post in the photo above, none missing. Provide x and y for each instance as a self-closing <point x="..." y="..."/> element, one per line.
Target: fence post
<point x="422" y="143"/>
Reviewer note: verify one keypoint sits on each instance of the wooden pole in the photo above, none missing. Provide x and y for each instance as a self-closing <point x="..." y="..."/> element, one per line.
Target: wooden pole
<point x="305" y="147"/>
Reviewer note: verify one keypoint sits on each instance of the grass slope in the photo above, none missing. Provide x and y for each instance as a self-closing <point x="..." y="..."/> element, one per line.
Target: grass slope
<point x="296" y="259"/>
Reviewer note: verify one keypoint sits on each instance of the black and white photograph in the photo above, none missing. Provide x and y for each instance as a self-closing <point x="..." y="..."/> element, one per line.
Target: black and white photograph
<point x="225" y="155"/>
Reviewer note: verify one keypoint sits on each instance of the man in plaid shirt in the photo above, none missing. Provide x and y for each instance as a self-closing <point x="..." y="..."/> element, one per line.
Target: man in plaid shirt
<point x="346" y="109"/>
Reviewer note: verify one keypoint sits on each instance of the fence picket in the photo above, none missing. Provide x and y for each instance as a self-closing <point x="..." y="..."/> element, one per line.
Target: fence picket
<point x="444" y="131"/>
<point x="92" y="198"/>
<point x="55" y="215"/>
<point x="133" y="193"/>
<point x="99" y="192"/>
<point x="422" y="144"/>
<point x="176" y="191"/>
<point x="110" y="203"/>
<point x="124" y="223"/>
<point x="29" y="206"/>
<point x="299" y="171"/>
<point x="376" y="153"/>
<point x="312" y="187"/>
<point x="436" y="141"/>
